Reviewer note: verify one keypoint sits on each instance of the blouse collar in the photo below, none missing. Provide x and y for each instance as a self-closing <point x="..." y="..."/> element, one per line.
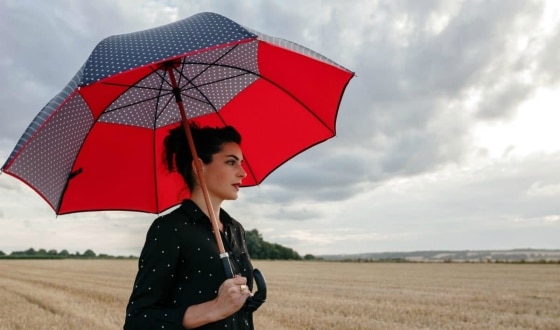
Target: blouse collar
<point x="195" y="213"/>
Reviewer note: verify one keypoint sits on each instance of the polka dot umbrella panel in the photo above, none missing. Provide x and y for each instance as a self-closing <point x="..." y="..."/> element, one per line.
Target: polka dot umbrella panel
<point x="98" y="144"/>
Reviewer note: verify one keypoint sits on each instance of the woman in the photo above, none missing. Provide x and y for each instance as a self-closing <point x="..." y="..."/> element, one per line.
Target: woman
<point x="181" y="282"/>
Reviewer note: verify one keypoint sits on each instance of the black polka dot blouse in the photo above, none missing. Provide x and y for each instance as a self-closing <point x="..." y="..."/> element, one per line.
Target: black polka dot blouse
<point x="179" y="266"/>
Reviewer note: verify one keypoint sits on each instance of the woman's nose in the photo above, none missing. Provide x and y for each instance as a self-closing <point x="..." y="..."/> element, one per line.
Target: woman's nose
<point x="242" y="172"/>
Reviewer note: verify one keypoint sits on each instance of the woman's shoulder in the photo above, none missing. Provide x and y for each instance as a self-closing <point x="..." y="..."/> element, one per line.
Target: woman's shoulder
<point x="186" y="213"/>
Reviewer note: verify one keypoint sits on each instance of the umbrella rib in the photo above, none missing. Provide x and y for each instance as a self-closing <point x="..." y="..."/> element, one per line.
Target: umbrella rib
<point x="189" y="81"/>
<point x="165" y="106"/>
<point x="207" y="64"/>
<point x="135" y="86"/>
<point x="196" y="87"/>
<point x="158" y="89"/>
<point x="128" y="105"/>
<point x="156" y="116"/>
<point x="300" y="102"/>
<point x="183" y="90"/>
<point x="218" y="80"/>
<point x="216" y="112"/>
<point x="260" y="76"/>
<point x="169" y="92"/>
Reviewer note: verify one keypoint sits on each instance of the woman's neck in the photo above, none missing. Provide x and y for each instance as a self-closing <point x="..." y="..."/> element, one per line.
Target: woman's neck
<point x="197" y="196"/>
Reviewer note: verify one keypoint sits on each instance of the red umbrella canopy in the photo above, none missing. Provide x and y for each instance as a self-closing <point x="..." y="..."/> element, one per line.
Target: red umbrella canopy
<point x="98" y="144"/>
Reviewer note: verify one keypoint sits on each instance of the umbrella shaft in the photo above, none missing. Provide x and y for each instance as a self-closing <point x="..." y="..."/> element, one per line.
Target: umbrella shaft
<point x="197" y="165"/>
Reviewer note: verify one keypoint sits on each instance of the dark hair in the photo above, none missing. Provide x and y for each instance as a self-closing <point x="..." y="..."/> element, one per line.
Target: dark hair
<point x="207" y="140"/>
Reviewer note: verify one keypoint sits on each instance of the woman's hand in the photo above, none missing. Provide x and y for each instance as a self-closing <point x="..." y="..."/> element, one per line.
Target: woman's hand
<point x="231" y="296"/>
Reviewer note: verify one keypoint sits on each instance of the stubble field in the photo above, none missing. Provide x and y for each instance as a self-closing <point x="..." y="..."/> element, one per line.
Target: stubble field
<point x="92" y="294"/>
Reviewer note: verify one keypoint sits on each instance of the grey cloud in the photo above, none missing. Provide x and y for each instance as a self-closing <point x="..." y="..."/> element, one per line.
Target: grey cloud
<point x="8" y="186"/>
<point x="549" y="62"/>
<point x="412" y="151"/>
<point x="285" y="194"/>
<point x="268" y="17"/>
<point x="511" y="199"/>
<point x="320" y="174"/>
<point x="500" y="101"/>
<point x="402" y="94"/>
<point x="484" y="198"/>
<point x="298" y="214"/>
<point x="476" y="37"/>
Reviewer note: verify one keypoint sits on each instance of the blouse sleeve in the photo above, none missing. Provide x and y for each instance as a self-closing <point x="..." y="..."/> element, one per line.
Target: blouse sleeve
<point x="151" y="295"/>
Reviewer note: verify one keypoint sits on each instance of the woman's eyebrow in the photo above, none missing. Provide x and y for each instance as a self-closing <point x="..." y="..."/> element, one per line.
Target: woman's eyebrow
<point x="233" y="156"/>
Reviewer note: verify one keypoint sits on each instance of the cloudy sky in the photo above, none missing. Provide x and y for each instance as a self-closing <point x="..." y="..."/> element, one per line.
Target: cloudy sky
<point x="447" y="138"/>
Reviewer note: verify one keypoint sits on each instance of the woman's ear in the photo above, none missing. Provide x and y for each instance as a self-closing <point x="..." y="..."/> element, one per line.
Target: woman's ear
<point x="194" y="171"/>
<point x="194" y="167"/>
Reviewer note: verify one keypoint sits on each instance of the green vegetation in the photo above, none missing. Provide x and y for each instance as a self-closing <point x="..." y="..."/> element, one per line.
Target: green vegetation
<point x="259" y="249"/>
<point x="31" y="253"/>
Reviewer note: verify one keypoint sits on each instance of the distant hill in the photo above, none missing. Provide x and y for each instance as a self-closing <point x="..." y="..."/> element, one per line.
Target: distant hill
<point x="515" y="255"/>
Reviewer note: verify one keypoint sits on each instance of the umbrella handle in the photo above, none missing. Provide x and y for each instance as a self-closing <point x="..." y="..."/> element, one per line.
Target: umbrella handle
<point x="254" y="302"/>
<point x="198" y="169"/>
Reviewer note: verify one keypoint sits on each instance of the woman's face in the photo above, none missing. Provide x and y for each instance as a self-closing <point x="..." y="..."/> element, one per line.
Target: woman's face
<point x="224" y="173"/>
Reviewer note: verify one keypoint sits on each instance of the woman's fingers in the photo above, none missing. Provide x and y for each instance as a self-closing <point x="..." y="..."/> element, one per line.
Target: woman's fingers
<point x="232" y="294"/>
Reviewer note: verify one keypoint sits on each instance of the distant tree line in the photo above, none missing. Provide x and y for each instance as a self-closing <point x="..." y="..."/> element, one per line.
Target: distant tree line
<point x="31" y="253"/>
<point x="258" y="249"/>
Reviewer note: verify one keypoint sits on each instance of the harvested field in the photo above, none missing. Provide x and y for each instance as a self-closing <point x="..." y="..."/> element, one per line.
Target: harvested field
<point x="92" y="294"/>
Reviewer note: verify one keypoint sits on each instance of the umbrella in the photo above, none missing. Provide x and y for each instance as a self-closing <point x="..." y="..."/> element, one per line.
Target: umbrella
<point x="97" y="145"/>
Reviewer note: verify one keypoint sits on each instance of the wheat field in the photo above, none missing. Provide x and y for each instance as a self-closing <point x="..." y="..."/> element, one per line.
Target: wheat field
<point x="92" y="294"/>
